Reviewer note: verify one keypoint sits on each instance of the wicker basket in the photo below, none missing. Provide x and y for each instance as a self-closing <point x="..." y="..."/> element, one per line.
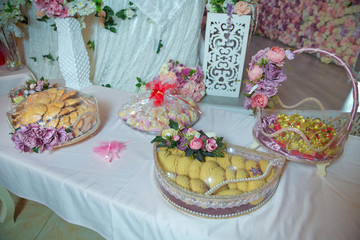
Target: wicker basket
<point x="329" y="151"/>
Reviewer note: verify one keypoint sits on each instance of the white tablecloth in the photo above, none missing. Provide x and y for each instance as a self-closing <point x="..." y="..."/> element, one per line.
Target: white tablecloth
<point x="120" y="200"/>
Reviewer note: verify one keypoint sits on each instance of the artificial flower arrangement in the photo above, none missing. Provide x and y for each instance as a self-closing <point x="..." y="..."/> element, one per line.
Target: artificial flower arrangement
<point x="67" y="8"/>
<point x="10" y="14"/>
<point x="16" y="95"/>
<point x="188" y="81"/>
<point x="230" y="7"/>
<point x="265" y="76"/>
<point x="34" y="138"/>
<point x="192" y="142"/>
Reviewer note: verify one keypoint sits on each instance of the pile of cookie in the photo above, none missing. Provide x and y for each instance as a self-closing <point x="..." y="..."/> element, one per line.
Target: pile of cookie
<point x="57" y="107"/>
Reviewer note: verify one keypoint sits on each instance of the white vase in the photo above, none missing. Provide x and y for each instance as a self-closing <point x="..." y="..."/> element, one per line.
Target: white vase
<point x="73" y="57"/>
<point x="224" y="59"/>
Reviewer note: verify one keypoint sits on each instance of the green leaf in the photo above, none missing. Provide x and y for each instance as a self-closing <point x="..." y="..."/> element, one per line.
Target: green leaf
<point x="112" y="29"/>
<point x="108" y="10"/>
<point x="121" y="14"/>
<point x="160" y="45"/>
<point x="209" y="154"/>
<point x="192" y="72"/>
<point x="189" y="152"/>
<point x="138" y="85"/>
<point x="68" y="130"/>
<point x="158" y="139"/>
<point x="54" y="26"/>
<point x="36" y="150"/>
<point x="161" y="145"/>
<point x="138" y="79"/>
<point x="173" y="124"/>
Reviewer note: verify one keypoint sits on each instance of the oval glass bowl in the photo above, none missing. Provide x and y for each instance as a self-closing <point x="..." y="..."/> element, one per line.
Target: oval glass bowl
<point x="80" y="110"/>
<point x="313" y="148"/>
<point x="209" y="205"/>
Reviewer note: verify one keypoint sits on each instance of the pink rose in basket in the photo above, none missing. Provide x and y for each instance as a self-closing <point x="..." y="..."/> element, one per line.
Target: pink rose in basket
<point x="196" y="143"/>
<point x="276" y="55"/>
<point x="211" y="145"/>
<point x="255" y="73"/>
<point x="259" y="100"/>
<point x="242" y="8"/>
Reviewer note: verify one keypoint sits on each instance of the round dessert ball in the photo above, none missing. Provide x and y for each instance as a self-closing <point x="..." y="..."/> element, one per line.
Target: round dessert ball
<point x="182" y="166"/>
<point x="170" y="163"/>
<point x="238" y="162"/>
<point x="250" y="166"/>
<point x="210" y="159"/>
<point x="198" y="186"/>
<point x="229" y="192"/>
<point x="177" y="152"/>
<point x="224" y="161"/>
<point x="263" y="166"/>
<point x="252" y="185"/>
<point x="231" y="174"/>
<point x="217" y="175"/>
<point x="205" y="172"/>
<point x="162" y="154"/>
<point x="240" y="174"/>
<point x="194" y="169"/>
<point x="183" y="181"/>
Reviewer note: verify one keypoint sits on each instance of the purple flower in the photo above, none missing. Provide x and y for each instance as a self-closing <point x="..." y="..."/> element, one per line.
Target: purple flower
<point x="274" y="74"/>
<point x="39" y="86"/>
<point x="185" y="71"/>
<point x="260" y="54"/>
<point x="199" y="74"/>
<point x="289" y="54"/>
<point x="248" y="86"/>
<point x="247" y="103"/>
<point x="182" y="144"/>
<point x="267" y="88"/>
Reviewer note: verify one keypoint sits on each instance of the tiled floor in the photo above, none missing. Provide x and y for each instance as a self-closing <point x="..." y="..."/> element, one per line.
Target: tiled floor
<point x="34" y="221"/>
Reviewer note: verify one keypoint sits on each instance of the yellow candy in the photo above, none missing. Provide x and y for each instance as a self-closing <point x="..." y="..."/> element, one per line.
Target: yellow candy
<point x="224" y="162"/>
<point x="194" y="169"/>
<point x="205" y="171"/>
<point x="230" y="174"/>
<point x="240" y="174"/>
<point x="252" y="185"/>
<point x="229" y="192"/>
<point x="198" y="186"/>
<point x="238" y="162"/>
<point x="217" y="175"/>
<point x="170" y="163"/>
<point x="177" y="152"/>
<point x="182" y="166"/>
<point x="210" y="159"/>
<point x="183" y="181"/>
<point x="250" y="165"/>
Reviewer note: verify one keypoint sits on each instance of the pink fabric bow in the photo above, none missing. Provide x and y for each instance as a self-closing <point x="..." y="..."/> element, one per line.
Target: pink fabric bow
<point x="109" y="150"/>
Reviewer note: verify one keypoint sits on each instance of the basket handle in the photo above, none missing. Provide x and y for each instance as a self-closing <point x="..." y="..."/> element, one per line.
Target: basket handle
<point x="350" y="74"/>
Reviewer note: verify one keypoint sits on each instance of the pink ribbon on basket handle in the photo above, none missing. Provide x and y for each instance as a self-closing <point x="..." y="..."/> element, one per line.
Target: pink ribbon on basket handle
<point x="110" y="150"/>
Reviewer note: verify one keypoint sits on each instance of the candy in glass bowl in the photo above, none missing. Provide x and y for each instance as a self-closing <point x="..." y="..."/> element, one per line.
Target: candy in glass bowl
<point x="199" y="174"/>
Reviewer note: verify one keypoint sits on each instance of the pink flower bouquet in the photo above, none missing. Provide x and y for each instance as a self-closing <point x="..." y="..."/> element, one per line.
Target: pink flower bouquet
<point x="189" y="80"/>
<point x="195" y="143"/>
<point x="265" y="76"/>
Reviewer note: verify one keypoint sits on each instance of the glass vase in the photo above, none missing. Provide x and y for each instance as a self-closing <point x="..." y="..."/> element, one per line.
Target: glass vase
<point x="9" y="49"/>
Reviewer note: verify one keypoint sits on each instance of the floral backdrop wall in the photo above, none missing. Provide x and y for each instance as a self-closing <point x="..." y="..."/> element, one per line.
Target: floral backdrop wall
<point x="332" y="25"/>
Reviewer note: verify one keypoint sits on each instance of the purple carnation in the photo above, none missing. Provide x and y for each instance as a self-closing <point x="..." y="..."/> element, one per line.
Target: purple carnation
<point x="182" y="144"/>
<point x="267" y="88"/>
<point x="274" y="74"/>
<point x="260" y="54"/>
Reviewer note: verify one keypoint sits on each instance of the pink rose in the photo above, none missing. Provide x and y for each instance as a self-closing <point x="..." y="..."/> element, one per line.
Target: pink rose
<point x="255" y="73"/>
<point x="176" y="138"/>
<point x="242" y="8"/>
<point x="196" y="143"/>
<point x="259" y="100"/>
<point x="276" y="55"/>
<point x="211" y="145"/>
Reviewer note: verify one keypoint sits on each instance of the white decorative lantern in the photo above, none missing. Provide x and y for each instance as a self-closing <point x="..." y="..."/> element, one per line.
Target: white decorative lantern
<point x="224" y="59"/>
<point x="73" y="57"/>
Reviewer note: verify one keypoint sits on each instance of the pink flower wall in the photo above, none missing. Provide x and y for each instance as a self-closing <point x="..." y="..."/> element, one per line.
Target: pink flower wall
<point x="332" y="25"/>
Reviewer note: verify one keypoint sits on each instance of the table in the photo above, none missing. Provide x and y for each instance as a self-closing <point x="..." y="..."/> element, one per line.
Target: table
<point x="119" y="200"/>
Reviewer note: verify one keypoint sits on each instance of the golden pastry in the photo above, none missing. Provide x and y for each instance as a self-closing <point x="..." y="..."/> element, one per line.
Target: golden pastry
<point x="205" y="171"/>
<point x="182" y="166"/>
<point x="237" y="162"/>
<point x="229" y="192"/>
<point x="53" y="123"/>
<point x="51" y="113"/>
<point x="198" y="186"/>
<point x="72" y="101"/>
<point x="224" y="162"/>
<point x="252" y="185"/>
<point x="183" y="181"/>
<point x="230" y="173"/>
<point x="69" y="94"/>
<point x="170" y="163"/>
<point x="241" y="174"/>
<point x="217" y="175"/>
<point x="194" y="169"/>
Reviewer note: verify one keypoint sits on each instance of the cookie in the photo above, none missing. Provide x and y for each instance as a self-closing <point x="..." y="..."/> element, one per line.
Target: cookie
<point x="51" y="113"/>
<point x="53" y="123"/>
<point x="182" y="166"/>
<point x="68" y="95"/>
<point x="72" y="101"/>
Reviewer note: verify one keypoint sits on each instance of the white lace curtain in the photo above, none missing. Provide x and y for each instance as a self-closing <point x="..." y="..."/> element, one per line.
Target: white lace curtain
<point x="131" y="52"/>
